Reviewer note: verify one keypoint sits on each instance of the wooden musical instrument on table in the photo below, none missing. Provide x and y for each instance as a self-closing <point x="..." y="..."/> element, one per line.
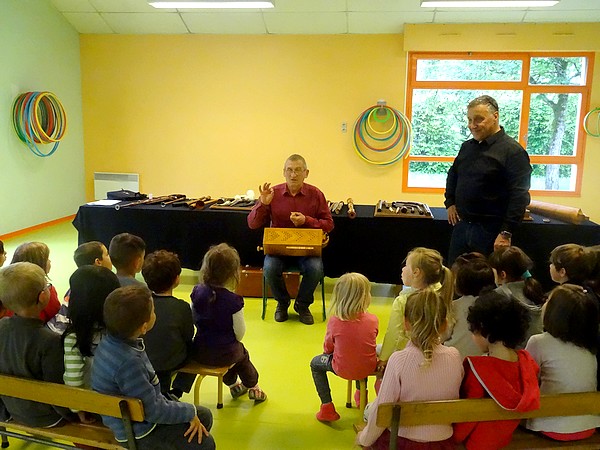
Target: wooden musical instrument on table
<point x="351" y="211"/>
<point x="294" y="241"/>
<point x="151" y="201"/>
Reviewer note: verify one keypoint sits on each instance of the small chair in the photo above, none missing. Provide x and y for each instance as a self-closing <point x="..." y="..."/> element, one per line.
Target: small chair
<point x="264" y="293"/>
<point x="202" y="371"/>
<point x="363" y="394"/>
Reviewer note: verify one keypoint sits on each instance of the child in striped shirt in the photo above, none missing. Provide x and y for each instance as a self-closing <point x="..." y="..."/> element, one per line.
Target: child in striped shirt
<point x="90" y="285"/>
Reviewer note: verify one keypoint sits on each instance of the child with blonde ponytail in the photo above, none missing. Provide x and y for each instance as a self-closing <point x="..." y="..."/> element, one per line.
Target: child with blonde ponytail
<point x="425" y="370"/>
<point x="424" y="269"/>
<point x="350" y="340"/>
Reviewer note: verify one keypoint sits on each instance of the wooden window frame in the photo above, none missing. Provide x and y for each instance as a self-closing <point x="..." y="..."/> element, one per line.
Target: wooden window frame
<point x="522" y="85"/>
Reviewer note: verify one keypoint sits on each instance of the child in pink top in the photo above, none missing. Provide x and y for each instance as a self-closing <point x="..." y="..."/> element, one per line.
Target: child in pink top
<point x="349" y="348"/>
<point x="425" y="370"/>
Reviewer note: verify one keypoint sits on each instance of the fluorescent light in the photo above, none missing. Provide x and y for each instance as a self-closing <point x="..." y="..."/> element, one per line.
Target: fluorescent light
<point x="487" y="3"/>
<point x="212" y="5"/>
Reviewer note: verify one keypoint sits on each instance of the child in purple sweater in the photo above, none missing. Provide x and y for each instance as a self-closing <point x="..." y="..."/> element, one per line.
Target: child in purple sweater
<point x="219" y="318"/>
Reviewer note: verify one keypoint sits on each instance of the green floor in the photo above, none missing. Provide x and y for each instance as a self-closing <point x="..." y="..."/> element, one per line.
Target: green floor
<point x="280" y="351"/>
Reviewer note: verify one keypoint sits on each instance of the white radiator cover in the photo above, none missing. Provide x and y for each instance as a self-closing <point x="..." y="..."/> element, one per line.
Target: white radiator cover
<point x="110" y="181"/>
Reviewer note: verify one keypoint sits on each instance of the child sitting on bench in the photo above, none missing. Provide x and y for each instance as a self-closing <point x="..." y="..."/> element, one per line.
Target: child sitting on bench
<point x="498" y="323"/>
<point x="121" y="367"/>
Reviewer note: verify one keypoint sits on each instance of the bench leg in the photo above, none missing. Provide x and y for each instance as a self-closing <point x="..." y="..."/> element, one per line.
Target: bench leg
<point x="5" y="443"/>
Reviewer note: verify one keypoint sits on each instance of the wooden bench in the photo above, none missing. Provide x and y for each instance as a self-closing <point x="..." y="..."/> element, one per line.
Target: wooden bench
<point x="201" y="372"/>
<point x="96" y="435"/>
<point x="391" y="415"/>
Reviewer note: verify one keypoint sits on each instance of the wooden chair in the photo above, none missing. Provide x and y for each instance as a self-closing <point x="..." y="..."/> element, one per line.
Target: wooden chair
<point x="363" y="394"/>
<point x="265" y="293"/>
<point x="201" y="372"/>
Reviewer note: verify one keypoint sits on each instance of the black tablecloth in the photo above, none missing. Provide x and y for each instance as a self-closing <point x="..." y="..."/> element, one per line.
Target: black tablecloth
<point x="374" y="246"/>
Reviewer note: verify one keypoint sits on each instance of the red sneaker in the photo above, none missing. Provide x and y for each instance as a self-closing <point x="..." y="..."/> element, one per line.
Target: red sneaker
<point x="327" y="413"/>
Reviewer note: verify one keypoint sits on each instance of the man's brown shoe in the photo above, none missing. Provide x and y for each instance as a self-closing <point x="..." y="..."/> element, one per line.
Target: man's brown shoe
<point x="304" y="314"/>
<point x="281" y="313"/>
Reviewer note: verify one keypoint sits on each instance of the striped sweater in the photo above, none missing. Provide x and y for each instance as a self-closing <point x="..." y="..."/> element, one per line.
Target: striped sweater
<point x="122" y="368"/>
<point x="78" y="368"/>
<point x="406" y="379"/>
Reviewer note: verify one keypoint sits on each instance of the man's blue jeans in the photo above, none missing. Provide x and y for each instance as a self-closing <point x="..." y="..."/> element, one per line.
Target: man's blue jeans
<point x="311" y="268"/>
<point x="472" y="237"/>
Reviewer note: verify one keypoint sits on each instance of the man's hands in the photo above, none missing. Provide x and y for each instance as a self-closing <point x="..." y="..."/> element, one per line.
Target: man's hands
<point x="266" y="197"/>
<point x="297" y="218"/>
<point x="196" y="428"/>
<point x="453" y="217"/>
<point x="266" y="193"/>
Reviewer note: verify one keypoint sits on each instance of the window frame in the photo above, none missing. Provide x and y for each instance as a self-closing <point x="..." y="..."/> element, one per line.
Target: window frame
<point x="522" y="85"/>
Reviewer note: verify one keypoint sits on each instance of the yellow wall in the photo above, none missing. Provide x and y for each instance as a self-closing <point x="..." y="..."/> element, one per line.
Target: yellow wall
<point x="217" y="115"/>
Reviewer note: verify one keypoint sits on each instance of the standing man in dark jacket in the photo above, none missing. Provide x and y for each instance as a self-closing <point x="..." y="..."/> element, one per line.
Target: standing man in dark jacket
<point x="487" y="188"/>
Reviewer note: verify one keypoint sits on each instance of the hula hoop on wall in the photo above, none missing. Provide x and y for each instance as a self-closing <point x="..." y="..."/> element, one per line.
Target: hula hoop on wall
<point x="379" y="129"/>
<point x="585" y="122"/>
<point x="39" y="118"/>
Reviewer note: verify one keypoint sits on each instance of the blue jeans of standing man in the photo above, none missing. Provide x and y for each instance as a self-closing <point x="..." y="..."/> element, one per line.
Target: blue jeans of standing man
<point x="472" y="237"/>
<point x="311" y="268"/>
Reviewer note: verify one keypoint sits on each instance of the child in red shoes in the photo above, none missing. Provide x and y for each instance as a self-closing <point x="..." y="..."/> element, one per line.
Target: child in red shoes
<point x="349" y="348"/>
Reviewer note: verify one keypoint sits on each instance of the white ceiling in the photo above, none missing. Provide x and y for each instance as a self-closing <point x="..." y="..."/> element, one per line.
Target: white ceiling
<point x="302" y="17"/>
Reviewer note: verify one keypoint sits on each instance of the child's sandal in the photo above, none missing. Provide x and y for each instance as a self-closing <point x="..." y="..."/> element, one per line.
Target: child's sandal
<point x="257" y="394"/>
<point x="238" y="390"/>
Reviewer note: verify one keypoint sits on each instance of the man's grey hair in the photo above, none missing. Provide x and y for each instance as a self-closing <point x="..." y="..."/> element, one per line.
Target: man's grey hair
<point x="490" y="102"/>
<point x="296" y="157"/>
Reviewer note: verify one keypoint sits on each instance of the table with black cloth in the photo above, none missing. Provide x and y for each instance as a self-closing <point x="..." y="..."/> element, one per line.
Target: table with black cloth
<point x="373" y="246"/>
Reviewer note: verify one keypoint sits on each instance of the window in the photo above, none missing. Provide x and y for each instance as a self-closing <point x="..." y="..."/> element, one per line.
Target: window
<point x="542" y="98"/>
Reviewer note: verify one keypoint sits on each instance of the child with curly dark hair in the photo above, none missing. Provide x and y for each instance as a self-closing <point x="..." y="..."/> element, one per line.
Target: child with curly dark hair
<point x="509" y="376"/>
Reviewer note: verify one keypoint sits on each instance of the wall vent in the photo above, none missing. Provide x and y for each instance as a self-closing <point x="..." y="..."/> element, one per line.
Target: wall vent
<point x="108" y="181"/>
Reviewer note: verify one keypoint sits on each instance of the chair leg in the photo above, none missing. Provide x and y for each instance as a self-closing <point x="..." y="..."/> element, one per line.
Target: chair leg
<point x="220" y="393"/>
<point x="349" y="395"/>
<point x="363" y="397"/>
<point x="199" y="379"/>
<point x="323" y="297"/>
<point x="264" y="294"/>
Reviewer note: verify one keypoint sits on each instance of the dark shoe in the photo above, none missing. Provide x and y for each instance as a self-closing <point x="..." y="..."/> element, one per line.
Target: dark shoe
<point x="257" y="394"/>
<point x="281" y="313"/>
<point x="238" y="390"/>
<point x="304" y="313"/>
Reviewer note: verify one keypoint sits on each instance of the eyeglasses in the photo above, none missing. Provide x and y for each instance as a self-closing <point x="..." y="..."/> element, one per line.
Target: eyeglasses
<point x="296" y="171"/>
<point x="48" y="286"/>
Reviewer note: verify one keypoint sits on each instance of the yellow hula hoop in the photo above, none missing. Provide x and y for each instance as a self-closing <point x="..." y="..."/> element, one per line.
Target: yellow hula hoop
<point x="381" y="132"/>
<point x="585" y="119"/>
